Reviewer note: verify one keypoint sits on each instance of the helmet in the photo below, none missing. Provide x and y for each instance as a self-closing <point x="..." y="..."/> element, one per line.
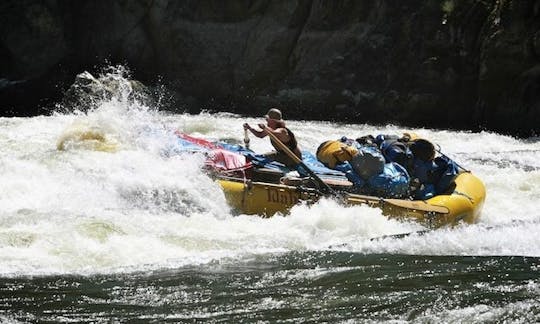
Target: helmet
<point x="423" y="150"/>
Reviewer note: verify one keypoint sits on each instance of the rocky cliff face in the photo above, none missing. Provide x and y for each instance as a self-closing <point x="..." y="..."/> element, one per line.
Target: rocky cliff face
<point x="436" y="63"/>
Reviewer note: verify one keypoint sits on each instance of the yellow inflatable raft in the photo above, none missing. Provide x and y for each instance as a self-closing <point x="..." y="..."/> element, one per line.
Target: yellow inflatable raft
<point x="463" y="202"/>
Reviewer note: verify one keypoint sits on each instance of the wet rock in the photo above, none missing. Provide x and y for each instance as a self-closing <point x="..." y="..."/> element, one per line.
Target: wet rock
<point x="470" y="62"/>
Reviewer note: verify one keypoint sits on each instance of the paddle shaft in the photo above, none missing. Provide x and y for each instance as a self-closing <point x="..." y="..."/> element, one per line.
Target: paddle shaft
<point x="296" y="159"/>
<point x="446" y="156"/>
<point x="246" y="138"/>
<point x="402" y="203"/>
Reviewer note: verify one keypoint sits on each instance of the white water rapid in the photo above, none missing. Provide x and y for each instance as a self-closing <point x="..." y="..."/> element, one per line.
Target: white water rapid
<point x="115" y="202"/>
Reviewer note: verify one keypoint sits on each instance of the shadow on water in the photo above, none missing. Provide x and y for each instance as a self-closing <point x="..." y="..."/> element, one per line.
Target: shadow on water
<point x="297" y="287"/>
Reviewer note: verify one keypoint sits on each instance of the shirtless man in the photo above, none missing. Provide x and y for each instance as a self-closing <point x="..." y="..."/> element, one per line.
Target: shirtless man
<point x="276" y="125"/>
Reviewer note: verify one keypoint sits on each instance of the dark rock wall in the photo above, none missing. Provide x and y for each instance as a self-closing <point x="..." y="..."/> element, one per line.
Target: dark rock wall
<point x="434" y="63"/>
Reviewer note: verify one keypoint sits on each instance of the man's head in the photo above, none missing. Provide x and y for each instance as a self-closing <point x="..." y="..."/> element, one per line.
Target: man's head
<point x="274" y="114"/>
<point x="273" y="118"/>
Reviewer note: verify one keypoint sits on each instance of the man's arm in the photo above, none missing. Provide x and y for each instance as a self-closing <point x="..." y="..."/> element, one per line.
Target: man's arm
<point x="258" y="133"/>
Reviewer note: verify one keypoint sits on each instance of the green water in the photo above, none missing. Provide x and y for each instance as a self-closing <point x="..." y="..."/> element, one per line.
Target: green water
<point x="293" y="287"/>
<point x="144" y="235"/>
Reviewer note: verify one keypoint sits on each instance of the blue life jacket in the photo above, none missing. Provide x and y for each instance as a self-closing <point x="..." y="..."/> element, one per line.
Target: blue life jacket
<point x="436" y="176"/>
<point x="445" y="174"/>
<point x="423" y="170"/>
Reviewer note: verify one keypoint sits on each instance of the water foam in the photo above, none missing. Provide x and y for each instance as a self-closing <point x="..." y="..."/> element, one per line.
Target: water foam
<point x="82" y="210"/>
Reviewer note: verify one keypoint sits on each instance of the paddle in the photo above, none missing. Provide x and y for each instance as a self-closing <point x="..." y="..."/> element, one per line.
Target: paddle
<point x="446" y="156"/>
<point x="415" y="205"/>
<point x="324" y="187"/>
<point x="409" y="204"/>
<point x="246" y="139"/>
<point x="400" y="235"/>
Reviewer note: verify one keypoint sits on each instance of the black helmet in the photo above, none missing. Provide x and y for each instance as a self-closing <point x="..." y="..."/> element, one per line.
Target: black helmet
<point x="423" y="150"/>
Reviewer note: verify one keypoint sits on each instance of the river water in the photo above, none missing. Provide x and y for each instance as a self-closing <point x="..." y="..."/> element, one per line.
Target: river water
<point x="116" y="226"/>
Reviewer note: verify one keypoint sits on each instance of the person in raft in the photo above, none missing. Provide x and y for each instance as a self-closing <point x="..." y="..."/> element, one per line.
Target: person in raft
<point x="276" y="125"/>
